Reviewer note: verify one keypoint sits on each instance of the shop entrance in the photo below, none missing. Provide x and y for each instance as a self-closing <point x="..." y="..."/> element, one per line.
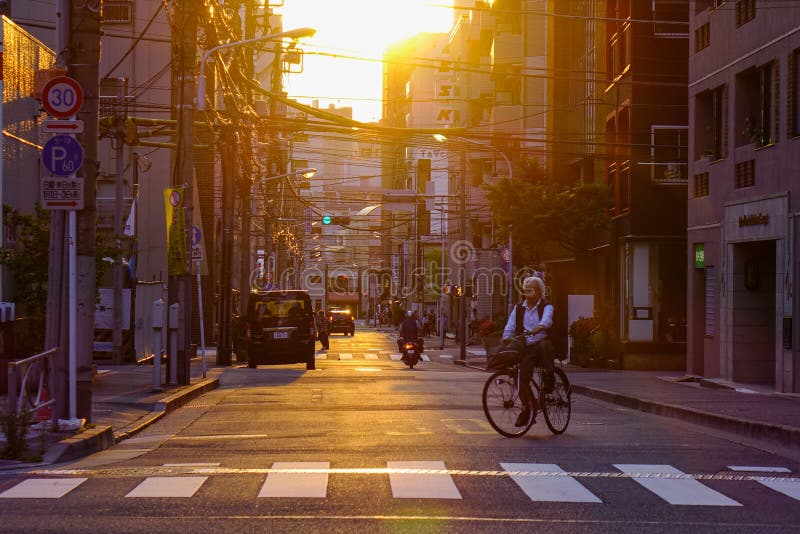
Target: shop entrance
<point x="753" y="312"/>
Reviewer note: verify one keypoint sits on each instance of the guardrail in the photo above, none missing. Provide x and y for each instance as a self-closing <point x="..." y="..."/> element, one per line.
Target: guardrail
<point x="31" y="383"/>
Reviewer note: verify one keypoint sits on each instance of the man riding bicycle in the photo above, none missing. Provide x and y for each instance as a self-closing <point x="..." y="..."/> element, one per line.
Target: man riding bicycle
<point x="534" y="316"/>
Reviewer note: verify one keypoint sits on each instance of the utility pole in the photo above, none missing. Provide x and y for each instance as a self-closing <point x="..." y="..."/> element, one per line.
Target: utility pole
<point x="184" y="54"/>
<point x="246" y="179"/>
<point x="118" y="270"/>
<point x="228" y="155"/>
<point x="462" y="223"/>
<point x="55" y="326"/>
<point x="83" y="66"/>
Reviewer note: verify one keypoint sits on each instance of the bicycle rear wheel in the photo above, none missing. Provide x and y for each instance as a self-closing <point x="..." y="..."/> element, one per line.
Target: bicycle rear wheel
<point x="557" y="405"/>
<point x="502" y="405"/>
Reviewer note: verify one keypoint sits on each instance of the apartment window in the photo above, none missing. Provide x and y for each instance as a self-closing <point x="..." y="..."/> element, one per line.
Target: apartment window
<point x="118" y="12"/>
<point x="701" y="185"/>
<point x="745" y="11"/>
<point x="624" y="187"/>
<point x="754" y="105"/>
<point x="702" y="5"/>
<point x="794" y="94"/>
<point x="669" y="154"/>
<point x="702" y="37"/>
<point x="710" y="121"/>
<point x="745" y="174"/>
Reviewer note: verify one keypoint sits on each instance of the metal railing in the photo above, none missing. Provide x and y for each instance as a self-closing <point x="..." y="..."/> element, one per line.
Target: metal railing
<point x="31" y="383"/>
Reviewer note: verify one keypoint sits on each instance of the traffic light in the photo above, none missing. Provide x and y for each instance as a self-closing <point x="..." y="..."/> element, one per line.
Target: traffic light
<point x="331" y="219"/>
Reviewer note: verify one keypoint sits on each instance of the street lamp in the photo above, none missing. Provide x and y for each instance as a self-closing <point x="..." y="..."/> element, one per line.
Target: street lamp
<point x="297" y="33"/>
<point x="442" y="138"/>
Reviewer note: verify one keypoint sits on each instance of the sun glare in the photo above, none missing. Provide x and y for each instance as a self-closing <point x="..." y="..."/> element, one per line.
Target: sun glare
<point x="342" y="63"/>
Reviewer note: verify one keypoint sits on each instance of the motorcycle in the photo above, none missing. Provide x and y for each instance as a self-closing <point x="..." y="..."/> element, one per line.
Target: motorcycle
<point x="411" y="351"/>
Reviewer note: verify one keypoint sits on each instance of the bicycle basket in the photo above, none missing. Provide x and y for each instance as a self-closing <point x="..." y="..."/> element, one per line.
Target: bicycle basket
<point x="503" y="358"/>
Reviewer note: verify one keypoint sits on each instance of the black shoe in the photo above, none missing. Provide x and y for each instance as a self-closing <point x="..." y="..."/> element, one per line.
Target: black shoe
<point x="523" y="418"/>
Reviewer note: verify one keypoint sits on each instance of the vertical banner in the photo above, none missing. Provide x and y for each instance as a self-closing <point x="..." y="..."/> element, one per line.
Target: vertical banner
<point x="177" y="260"/>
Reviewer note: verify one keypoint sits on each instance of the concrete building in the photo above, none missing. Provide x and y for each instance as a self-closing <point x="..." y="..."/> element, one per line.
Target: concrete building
<point x="744" y="164"/>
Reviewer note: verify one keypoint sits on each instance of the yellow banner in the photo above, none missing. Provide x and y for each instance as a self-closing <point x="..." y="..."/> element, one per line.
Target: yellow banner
<point x="177" y="259"/>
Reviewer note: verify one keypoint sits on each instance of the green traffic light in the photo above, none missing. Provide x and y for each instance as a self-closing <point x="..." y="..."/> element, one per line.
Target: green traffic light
<point x="326" y="219"/>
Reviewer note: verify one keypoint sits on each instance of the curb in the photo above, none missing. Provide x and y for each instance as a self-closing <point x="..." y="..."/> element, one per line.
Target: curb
<point x="169" y="404"/>
<point x="98" y="439"/>
<point x="778" y="434"/>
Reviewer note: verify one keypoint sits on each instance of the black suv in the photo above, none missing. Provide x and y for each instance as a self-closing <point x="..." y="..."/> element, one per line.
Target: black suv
<point x="280" y="328"/>
<point x="341" y="321"/>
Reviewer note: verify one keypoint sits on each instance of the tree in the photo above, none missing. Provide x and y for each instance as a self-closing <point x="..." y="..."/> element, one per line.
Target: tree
<point x="27" y="260"/>
<point x="572" y="218"/>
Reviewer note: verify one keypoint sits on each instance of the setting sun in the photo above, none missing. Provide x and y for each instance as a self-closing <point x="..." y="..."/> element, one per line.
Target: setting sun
<point x="342" y="61"/>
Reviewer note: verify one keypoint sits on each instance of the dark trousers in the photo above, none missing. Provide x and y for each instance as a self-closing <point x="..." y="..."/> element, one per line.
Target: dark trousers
<point x="539" y="354"/>
<point x="323" y="338"/>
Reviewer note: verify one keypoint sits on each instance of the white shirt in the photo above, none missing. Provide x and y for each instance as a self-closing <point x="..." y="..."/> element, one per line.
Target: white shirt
<point x="530" y="320"/>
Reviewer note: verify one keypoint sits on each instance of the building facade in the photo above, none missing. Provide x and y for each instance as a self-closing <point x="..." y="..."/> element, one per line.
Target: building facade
<point x="743" y="235"/>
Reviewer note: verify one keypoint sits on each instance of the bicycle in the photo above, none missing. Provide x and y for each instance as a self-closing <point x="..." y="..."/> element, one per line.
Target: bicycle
<point x="502" y="404"/>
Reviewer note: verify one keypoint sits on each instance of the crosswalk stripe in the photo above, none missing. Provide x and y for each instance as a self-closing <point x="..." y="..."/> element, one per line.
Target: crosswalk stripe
<point x="321" y="357"/>
<point x="371" y="356"/>
<point x="754" y="469"/>
<point x="42" y="488"/>
<point x="675" y="490"/>
<point x="425" y="358"/>
<point x="422" y="485"/>
<point x="299" y="484"/>
<point x="395" y="357"/>
<point x="552" y="489"/>
<point x="448" y="356"/>
<point x="345" y="356"/>
<point x="790" y="488"/>
<point x="167" y="487"/>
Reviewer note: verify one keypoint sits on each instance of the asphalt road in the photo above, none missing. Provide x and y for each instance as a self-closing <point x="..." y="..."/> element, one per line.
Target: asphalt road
<point x="364" y="444"/>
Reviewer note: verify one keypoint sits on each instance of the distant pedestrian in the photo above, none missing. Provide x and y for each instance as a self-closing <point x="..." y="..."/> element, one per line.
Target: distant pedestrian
<point x="322" y="329"/>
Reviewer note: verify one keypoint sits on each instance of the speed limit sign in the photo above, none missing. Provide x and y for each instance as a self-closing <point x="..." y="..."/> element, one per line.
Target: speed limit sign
<point x="62" y="97"/>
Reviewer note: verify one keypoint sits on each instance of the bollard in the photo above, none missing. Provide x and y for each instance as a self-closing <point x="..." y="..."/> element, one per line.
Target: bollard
<point x="174" y="310"/>
<point x="158" y="324"/>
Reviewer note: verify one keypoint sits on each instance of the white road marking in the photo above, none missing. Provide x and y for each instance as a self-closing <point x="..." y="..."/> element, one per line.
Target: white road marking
<point x="371" y="356"/>
<point x="789" y="487"/>
<point x="395" y="357"/>
<point x="214" y="437"/>
<point x="42" y="488"/>
<point x="477" y="352"/>
<point x="300" y="484"/>
<point x="754" y="469"/>
<point x="167" y="487"/>
<point x="684" y="491"/>
<point x="375" y="350"/>
<point x="321" y="357"/>
<point x="345" y="356"/>
<point x="555" y="489"/>
<point x="194" y="464"/>
<point x="448" y="356"/>
<point x="422" y="485"/>
<point x="425" y="358"/>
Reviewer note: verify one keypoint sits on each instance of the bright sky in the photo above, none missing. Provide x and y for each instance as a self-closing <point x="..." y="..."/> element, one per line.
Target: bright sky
<point x="354" y="29"/>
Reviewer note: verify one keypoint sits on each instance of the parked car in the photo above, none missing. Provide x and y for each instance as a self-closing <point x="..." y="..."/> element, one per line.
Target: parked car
<point x="280" y="328"/>
<point x="341" y="321"/>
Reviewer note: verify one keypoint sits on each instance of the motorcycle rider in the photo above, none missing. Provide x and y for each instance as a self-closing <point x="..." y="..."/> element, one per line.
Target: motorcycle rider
<point x="410" y="330"/>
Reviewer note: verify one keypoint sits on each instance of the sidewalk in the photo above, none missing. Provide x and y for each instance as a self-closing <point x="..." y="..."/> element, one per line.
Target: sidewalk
<point x="123" y="404"/>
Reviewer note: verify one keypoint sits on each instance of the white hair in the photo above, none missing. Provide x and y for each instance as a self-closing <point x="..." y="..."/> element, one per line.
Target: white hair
<point x="531" y="282"/>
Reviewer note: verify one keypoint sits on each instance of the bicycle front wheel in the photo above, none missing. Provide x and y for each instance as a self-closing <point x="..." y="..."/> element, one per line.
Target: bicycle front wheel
<point x="557" y="405"/>
<point x="502" y="405"/>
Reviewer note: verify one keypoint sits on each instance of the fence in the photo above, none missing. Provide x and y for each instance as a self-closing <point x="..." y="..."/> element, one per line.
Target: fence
<point x="31" y="383"/>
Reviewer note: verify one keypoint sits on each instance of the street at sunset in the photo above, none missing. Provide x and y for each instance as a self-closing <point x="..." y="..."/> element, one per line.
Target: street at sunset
<point x="400" y="266"/>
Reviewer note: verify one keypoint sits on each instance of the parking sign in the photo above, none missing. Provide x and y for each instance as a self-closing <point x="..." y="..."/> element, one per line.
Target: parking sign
<point x="62" y="155"/>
